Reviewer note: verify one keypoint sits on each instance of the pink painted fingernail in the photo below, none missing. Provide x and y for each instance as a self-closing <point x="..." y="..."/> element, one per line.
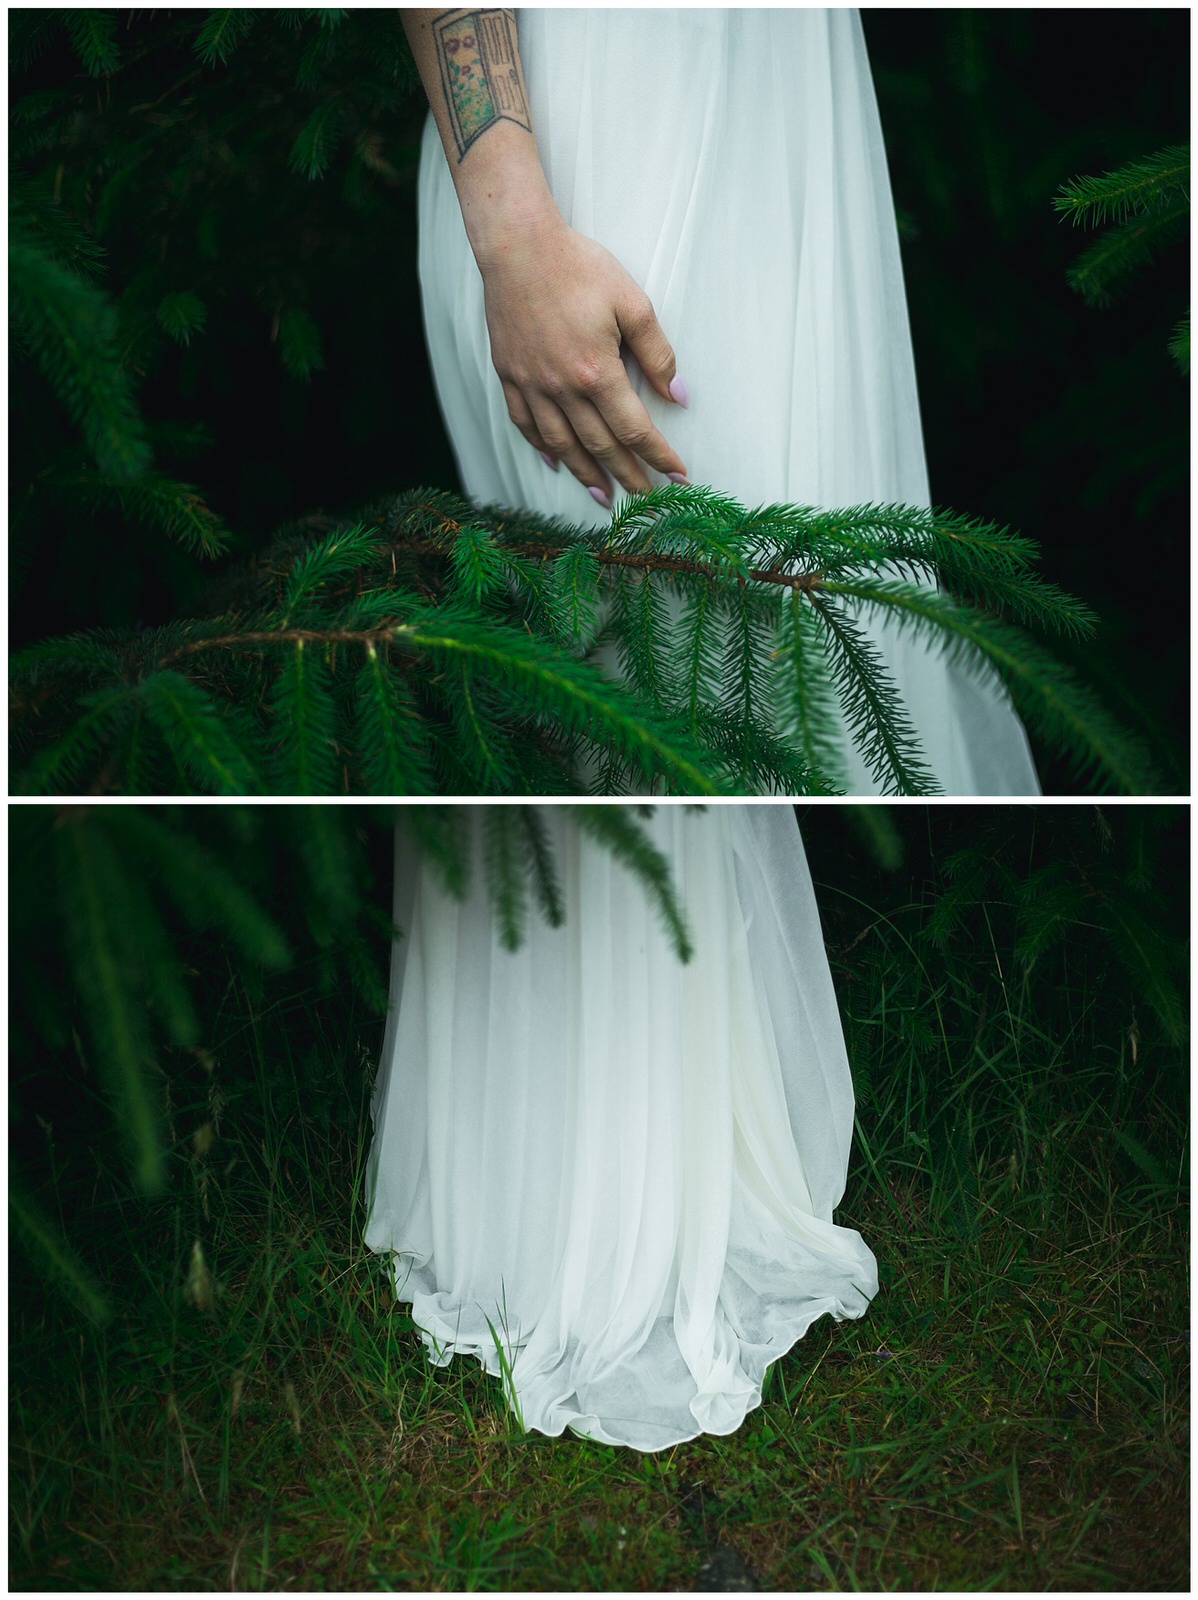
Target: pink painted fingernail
<point x="679" y="392"/>
<point x="679" y="477"/>
<point x="549" y="461"/>
<point x="599" y="496"/>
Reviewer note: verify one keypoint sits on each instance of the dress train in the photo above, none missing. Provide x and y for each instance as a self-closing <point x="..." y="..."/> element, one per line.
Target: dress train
<point x="608" y="1175"/>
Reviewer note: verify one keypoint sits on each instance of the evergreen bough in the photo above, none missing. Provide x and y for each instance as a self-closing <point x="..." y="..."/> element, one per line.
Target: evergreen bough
<point x="690" y="646"/>
<point x="1148" y="204"/>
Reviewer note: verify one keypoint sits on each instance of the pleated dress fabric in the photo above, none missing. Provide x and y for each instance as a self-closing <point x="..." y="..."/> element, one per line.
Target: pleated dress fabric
<point x="732" y="161"/>
<point x="607" y="1175"/>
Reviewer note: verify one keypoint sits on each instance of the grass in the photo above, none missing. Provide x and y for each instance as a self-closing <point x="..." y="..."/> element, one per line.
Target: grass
<point x="1012" y="1413"/>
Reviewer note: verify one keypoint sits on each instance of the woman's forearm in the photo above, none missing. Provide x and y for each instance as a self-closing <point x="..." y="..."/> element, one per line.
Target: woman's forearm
<point x="469" y="63"/>
<point x="560" y="310"/>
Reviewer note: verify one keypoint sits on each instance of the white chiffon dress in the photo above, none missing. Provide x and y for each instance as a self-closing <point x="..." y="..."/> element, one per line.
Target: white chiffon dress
<point x="732" y="161"/>
<point x="607" y="1175"/>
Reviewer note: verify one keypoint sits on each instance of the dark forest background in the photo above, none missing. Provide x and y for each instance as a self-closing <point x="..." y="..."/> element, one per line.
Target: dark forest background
<point x="250" y="178"/>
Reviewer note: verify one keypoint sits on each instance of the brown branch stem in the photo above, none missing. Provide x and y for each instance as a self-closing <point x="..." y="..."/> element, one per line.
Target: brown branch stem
<point x="643" y="561"/>
<point x="380" y="634"/>
<point x="608" y="555"/>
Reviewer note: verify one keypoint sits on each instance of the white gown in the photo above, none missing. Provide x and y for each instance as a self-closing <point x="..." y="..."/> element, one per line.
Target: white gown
<point x="732" y="161"/>
<point x="609" y="1176"/>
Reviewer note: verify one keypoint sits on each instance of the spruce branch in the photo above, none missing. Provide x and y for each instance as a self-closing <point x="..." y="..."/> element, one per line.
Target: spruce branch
<point x="1179" y="345"/>
<point x="29" y="34"/>
<point x="181" y="314"/>
<point x="176" y="510"/>
<point x="546" y="885"/>
<point x="433" y="646"/>
<point x="93" y="35"/>
<point x="55" y="1259"/>
<point x="31" y="204"/>
<point x="67" y="764"/>
<point x="300" y="345"/>
<point x="305" y="720"/>
<point x="70" y="329"/>
<point x="1137" y="187"/>
<point x="804" y="701"/>
<point x="317" y="140"/>
<point x="221" y="33"/>
<point x="573" y="600"/>
<point x="572" y="691"/>
<point x="200" y="736"/>
<point x="103" y="962"/>
<point x="1044" y="691"/>
<point x="757" y="757"/>
<point x="337" y="556"/>
<point x="506" y="872"/>
<point x="1148" y="201"/>
<point x="1106" y="268"/>
<point x="389" y="732"/>
<point x="204" y="891"/>
<point x="870" y="704"/>
<point x="620" y="831"/>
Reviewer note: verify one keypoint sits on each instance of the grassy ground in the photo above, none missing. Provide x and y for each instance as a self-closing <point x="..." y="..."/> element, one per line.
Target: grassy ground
<point x="257" y="1413"/>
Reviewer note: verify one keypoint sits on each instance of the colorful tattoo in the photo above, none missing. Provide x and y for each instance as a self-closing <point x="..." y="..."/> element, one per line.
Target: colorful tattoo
<point x="477" y="53"/>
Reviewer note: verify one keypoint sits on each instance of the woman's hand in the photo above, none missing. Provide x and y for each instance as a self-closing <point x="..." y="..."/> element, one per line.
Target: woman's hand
<point x="559" y="307"/>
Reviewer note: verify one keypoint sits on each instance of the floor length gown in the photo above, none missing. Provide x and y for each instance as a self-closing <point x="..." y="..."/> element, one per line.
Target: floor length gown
<point x="732" y="161"/>
<point x="608" y="1175"/>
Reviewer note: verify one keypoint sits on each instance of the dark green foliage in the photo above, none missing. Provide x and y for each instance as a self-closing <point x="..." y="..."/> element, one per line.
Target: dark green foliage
<point x="317" y="140"/>
<point x="1089" y="874"/>
<point x="44" y="1244"/>
<point x="92" y="32"/>
<point x="1149" y="203"/>
<point x="299" y="343"/>
<point x="426" y="649"/>
<point x="1037" y="412"/>
<point x="519" y="860"/>
<point x="617" y="829"/>
<point x="1151" y="187"/>
<point x="104" y="898"/>
<point x="65" y="324"/>
<point x="33" y="207"/>
<point x="148" y="215"/>
<point x="92" y="894"/>
<point x="69" y="329"/>
<point x="182" y="315"/>
<point x="1052" y="941"/>
<point x="221" y="34"/>
<point x="1179" y="344"/>
<point x="162" y="505"/>
<point x="202" y="744"/>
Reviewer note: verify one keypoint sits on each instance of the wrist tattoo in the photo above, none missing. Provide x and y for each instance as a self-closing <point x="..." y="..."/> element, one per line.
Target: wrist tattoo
<point x="480" y="78"/>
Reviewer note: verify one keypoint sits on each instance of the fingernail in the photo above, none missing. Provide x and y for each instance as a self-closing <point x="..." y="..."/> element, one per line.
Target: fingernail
<point x="679" y="392"/>
<point x="599" y="496"/>
<point x="678" y="477"/>
<point x="549" y="461"/>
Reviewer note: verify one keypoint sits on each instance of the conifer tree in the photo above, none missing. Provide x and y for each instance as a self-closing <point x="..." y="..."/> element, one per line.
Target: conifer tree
<point x="1148" y="203"/>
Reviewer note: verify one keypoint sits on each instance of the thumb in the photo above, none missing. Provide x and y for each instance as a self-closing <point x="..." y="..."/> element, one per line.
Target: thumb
<point x="641" y="332"/>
